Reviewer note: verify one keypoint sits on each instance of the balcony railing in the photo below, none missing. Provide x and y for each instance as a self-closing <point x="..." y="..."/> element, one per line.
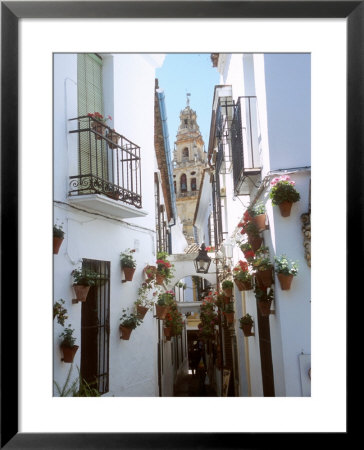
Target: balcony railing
<point x="224" y="117"/>
<point x="245" y="141"/>
<point x="108" y="163"/>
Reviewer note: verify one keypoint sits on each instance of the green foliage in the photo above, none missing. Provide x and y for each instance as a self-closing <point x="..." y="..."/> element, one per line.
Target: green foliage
<point x="166" y="298"/>
<point x="257" y="209"/>
<point x="68" y="340"/>
<point x="226" y="284"/>
<point x="58" y="231"/>
<point x="251" y="229"/>
<point x="78" y="388"/>
<point x="60" y="312"/>
<point x="143" y="295"/>
<point x="245" y="246"/>
<point x="283" y="191"/>
<point x="85" y="277"/>
<point x="261" y="260"/>
<point x="127" y="259"/>
<point x="264" y="295"/>
<point x="285" y="265"/>
<point x="246" y="320"/>
<point x="130" y="320"/>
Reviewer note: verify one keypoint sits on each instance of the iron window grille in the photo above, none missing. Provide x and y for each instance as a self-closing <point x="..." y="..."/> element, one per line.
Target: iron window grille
<point x="224" y="117"/>
<point x="245" y="141"/>
<point x="108" y="164"/>
<point x="95" y="328"/>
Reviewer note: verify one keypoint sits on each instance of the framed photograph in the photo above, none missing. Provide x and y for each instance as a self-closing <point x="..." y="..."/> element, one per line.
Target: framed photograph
<point x="172" y="26"/>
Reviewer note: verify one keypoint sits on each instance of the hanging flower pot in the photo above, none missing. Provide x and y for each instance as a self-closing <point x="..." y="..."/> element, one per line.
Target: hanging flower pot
<point x="141" y="311"/>
<point x="247" y="329"/>
<point x="113" y="194"/>
<point x="167" y="331"/>
<point x="226" y="299"/>
<point x="259" y="221"/>
<point x="114" y="137"/>
<point x="150" y="272"/>
<point x="255" y="242"/>
<point x="229" y="317"/>
<point x="98" y="128"/>
<point x="285" y="208"/>
<point x="81" y="292"/>
<point x="125" y="332"/>
<point x="243" y="285"/>
<point x="68" y="353"/>
<point x="159" y="278"/>
<point x="264" y="277"/>
<point x="57" y="242"/>
<point x="161" y="311"/>
<point x="285" y="281"/>
<point x="128" y="273"/>
<point x="228" y="292"/>
<point x="264" y="307"/>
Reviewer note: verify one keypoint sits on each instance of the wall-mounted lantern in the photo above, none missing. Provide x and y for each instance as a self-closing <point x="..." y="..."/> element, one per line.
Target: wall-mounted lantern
<point x="203" y="261"/>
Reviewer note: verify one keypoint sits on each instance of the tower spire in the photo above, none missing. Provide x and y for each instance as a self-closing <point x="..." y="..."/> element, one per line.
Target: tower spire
<point x="188" y="98"/>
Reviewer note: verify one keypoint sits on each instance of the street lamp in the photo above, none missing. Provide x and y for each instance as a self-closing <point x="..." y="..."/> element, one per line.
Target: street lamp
<point x="203" y="261"/>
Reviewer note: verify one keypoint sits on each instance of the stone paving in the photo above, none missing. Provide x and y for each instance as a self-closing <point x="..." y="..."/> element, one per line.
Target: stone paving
<point x="192" y="386"/>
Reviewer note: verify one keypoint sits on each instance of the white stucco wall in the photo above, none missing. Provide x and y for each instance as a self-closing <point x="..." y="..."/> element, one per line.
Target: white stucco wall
<point x="133" y="363"/>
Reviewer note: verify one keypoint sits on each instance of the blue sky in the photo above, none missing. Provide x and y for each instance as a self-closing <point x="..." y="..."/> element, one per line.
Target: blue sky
<point x="188" y="73"/>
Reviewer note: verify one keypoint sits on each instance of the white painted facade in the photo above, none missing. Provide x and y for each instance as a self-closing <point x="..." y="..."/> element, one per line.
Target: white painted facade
<point x="103" y="233"/>
<point x="281" y="84"/>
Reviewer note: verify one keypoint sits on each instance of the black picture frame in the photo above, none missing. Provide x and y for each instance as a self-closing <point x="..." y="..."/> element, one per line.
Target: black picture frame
<point x="11" y="12"/>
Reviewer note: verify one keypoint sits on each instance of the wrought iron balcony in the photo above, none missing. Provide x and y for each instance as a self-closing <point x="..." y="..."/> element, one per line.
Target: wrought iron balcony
<point x="108" y="164"/>
<point x="224" y="117"/>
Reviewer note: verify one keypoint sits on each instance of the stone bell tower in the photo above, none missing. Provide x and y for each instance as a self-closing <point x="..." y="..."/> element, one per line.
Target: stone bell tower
<point x="189" y="161"/>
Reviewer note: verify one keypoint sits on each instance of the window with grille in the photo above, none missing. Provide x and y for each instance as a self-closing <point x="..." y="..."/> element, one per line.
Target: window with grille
<point x="95" y="328"/>
<point x="183" y="182"/>
<point x="193" y="184"/>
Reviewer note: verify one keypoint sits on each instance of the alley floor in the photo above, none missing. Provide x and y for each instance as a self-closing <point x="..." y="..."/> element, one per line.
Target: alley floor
<point x="191" y="386"/>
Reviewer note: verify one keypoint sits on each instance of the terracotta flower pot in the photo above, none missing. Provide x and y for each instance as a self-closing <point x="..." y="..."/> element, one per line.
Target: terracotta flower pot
<point x="228" y="292"/>
<point x="285" y="281"/>
<point x="285" y="208"/>
<point x="57" y="242"/>
<point x="167" y="331"/>
<point x="226" y="299"/>
<point x="259" y="221"/>
<point x="141" y="311"/>
<point x="81" y="292"/>
<point x="114" y="138"/>
<point x="255" y="242"/>
<point x="264" y="307"/>
<point x="128" y="273"/>
<point x="159" y="278"/>
<point x="99" y="128"/>
<point x="125" y="332"/>
<point x="264" y="278"/>
<point x="243" y="285"/>
<point x="161" y="311"/>
<point x="69" y="353"/>
<point x="113" y="195"/>
<point x="247" y="329"/>
<point x="229" y="317"/>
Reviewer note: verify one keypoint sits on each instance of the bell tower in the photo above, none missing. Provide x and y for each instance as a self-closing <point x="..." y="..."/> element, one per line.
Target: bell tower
<point x="189" y="159"/>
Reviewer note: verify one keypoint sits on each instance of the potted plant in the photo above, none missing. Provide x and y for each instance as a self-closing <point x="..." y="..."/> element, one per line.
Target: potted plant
<point x="167" y="326"/>
<point x="249" y="228"/>
<point x="58" y="236"/>
<point x="60" y="312"/>
<point x="165" y="300"/>
<point x="246" y="248"/>
<point x="263" y="268"/>
<point x="227" y="287"/>
<point x="220" y="300"/>
<point x="68" y="344"/>
<point x="246" y="324"/>
<point x="150" y="272"/>
<point x="229" y="312"/>
<point x="143" y="303"/>
<point x="128" y="323"/>
<point x="128" y="264"/>
<point x="284" y="194"/>
<point x="258" y="215"/>
<point x="114" y="137"/>
<point x="264" y="298"/>
<point x="164" y="268"/>
<point x="286" y="269"/>
<point x="83" y="279"/>
<point x="242" y="276"/>
<point x="98" y="124"/>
